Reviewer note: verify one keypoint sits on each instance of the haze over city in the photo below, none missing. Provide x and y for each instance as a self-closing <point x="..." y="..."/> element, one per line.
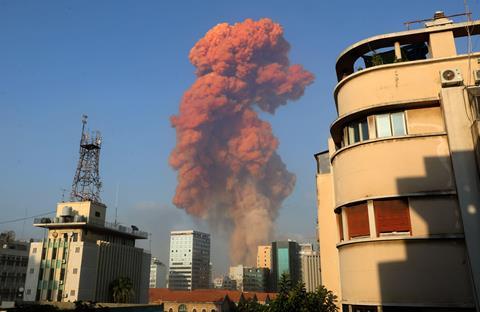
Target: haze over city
<point x="127" y="68"/>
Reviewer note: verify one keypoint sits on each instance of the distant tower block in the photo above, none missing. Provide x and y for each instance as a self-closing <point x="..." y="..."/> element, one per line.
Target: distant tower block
<point x="86" y="183"/>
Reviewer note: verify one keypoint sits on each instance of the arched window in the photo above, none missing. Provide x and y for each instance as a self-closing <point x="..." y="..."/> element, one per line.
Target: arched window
<point x="194" y="310"/>
<point x="170" y="310"/>
<point x="182" y="308"/>
<point x="203" y="310"/>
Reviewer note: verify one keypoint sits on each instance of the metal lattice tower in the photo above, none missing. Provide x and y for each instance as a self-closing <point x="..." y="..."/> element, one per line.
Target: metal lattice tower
<point x="86" y="183"/>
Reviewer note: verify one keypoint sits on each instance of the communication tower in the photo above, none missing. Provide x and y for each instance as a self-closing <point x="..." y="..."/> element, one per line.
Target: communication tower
<point x="86" y="183"/>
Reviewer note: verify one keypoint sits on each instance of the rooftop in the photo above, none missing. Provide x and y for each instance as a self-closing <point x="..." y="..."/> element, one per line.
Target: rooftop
<point x="159" y="295"/>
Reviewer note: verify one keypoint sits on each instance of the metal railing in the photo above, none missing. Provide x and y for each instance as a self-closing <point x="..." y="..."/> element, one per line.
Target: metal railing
<point x="109" y="225"/>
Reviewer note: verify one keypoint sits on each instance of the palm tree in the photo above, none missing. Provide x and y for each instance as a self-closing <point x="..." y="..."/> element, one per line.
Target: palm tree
<point x="122" y="290"/>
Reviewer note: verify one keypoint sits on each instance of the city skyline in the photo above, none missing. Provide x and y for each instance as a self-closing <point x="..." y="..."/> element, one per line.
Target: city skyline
<point x="77" y="69"/>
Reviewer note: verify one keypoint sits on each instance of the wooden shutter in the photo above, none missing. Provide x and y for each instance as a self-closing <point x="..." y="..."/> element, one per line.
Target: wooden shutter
<point x="357" y="216"/>
<point x="392" y="215"/>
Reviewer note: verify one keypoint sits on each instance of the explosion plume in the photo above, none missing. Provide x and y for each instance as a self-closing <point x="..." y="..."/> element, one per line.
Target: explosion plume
<point x="228" y="170"/>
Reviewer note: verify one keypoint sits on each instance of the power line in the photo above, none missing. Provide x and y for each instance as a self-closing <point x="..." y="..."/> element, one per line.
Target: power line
<point x="26" y="218"/>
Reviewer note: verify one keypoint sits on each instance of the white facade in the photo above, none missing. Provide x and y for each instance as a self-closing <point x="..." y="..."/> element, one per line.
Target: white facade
<point x="310" y="267"/>
<point x="80" y="258"/>
<point x="236" y="274"/>
<point x="158" y="274"/>
<point x="189" y="263"/>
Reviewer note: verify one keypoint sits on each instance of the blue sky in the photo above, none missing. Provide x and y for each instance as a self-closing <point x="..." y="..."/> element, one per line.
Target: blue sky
<point x="125" y="64"/>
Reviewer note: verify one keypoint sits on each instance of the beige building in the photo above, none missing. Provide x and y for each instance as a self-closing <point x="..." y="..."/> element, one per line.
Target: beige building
<point x="264" y="257"/>
<point x="83" y="254"/>
<point x="398" y="189"/>
<point x="310" y="267"/>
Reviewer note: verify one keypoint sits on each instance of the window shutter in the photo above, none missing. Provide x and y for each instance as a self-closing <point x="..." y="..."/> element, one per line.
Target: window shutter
<point x="357" y="216"/>
<point x="392" y="215"/>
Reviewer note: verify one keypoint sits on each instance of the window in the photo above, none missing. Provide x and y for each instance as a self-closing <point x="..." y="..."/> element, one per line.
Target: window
<point x="77" y="249"/>
<point x="72" y="292"/>
<point x="392" y="215"/>
<point x="97" y="214"/>
<point x="390" y="124"/>
<point x="355" y="132"/>
<point x="182" y="308"/>
<point x="340" y="225"/>
<point x="32" y="270"/>
<point x="357" y="219"/>
<point x="34" y="250"/>
<point x="29" y="291"/>
<point x="75" y="271"/>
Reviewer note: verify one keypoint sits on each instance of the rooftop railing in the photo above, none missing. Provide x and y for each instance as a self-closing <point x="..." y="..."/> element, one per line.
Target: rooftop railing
<point x="133" y="230"/>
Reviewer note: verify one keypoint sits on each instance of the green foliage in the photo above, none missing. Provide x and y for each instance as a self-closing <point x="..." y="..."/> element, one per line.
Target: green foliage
<point x="122" y="290"/>
<point x="294" y="299"/>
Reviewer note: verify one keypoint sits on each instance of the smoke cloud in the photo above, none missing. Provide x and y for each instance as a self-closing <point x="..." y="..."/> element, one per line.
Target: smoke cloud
<point x="229" y="172"/>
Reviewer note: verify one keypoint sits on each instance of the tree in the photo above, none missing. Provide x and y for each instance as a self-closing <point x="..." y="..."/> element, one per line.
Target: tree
<point x="122" y="290"/>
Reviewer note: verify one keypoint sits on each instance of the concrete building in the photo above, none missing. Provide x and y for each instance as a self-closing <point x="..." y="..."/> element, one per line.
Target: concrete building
<point x="310" y="267"/>
<point x="158" y="274"/>
<point x="13" y="267"/>
<point x="224" y="282"/>
<point x="189" y="264"/>
<point x="398" y="189"/>
<point x="256" y="279"/>
<point x="285" y="259"/>
<point x="236" y="273"/>
<point x="264" y="257"/>
<point x="83" y="254"/>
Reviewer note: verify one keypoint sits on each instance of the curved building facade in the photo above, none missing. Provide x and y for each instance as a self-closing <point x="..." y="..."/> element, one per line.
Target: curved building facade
<point x="398" y="189"/>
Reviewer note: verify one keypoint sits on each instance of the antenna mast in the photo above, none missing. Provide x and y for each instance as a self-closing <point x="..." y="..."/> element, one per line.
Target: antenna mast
<point x="86" y="183"/>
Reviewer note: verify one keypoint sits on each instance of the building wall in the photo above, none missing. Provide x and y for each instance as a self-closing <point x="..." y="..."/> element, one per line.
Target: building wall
<point x="404" y="204"/>
<point x="115" y="261"/>
<point x="191" y="306"/>
<point x="264" y="257"/>
<point x="31" y="280"/>
<point x="158" y="274"/>
<point x="189" y="262"/>
<point x="285" y="259"/>
<point x="311" y="276"/>
<point x="13" y="269"/>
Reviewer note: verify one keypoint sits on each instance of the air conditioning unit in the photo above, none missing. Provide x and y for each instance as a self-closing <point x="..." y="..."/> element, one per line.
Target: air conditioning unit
<point x="64" y="261"/>
<point x="65" y="295"/>
<point x="451" y="77"/>
<point x="61" y="282"/>
<point x="476" y="75"/>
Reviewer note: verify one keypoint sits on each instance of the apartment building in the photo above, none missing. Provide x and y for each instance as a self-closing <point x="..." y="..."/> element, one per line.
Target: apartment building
<point x="310" y="267"/>
<point x="398" y="188"/>
<point x="264" y="257"/>
<point x="158" y="274"/>
<point x="13" y="267"/>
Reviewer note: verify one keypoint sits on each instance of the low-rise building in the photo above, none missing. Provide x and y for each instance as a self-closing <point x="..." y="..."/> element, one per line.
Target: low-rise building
<point x="255" y="279"/>
<point x="82" y="255"/>
<point x="13" y="267"/>
<point x="310" y="267"/>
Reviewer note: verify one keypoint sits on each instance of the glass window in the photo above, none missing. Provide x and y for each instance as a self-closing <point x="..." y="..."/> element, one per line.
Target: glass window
<point x="383" y="125"/>
<point x="364" y="129"/>
<point x="182" y="308"/>
<point x="398" y="123"/>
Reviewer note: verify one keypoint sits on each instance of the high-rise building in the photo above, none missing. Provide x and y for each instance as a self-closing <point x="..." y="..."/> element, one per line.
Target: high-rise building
<point x="82" y="254"/>
<point x="189" y="264"/>
<point x="399" y="188"/>
<point x="13" y="267"/>
<point x="310" y="267"/>
<point x="158" y="274"/>
<point x="264" y="257"/>
<point x="285" y="259"/>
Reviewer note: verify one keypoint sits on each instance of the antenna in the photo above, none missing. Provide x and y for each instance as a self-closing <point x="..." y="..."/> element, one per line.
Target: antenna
<point x="116" y="202"/>
<point x="86" y="182"/>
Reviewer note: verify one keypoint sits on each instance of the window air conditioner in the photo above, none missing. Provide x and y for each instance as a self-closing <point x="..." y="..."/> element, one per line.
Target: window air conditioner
<point x="476" y="74"/>
<point x="61" y="282"/>
<point x="64" y="261"/>
<point x="451" y="77"/>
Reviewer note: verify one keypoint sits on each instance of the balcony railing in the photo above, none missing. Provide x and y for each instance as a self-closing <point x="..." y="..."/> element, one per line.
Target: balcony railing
<point x="133" y="230"/>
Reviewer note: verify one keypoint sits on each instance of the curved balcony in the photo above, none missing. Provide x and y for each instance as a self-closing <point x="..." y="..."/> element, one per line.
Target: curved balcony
<point x="398" y="83"/>
<point x="396" y="166"/>
<point x="400" y="272"/>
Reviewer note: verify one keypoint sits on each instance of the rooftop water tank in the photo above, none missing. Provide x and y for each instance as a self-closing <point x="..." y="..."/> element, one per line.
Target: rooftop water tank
<point x="66" y="211"/>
